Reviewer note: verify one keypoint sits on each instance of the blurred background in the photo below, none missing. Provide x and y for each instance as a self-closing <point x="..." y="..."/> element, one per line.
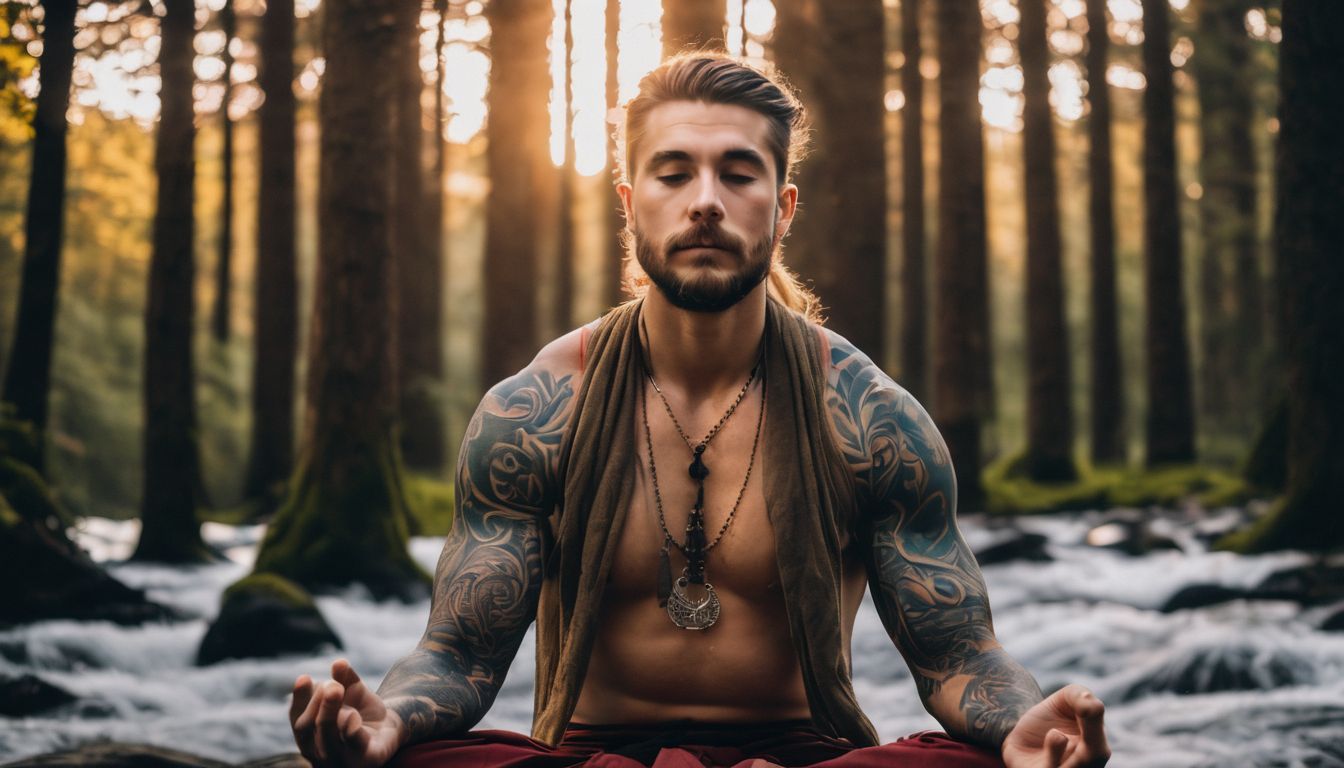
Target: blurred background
<point x="259" y="260"/>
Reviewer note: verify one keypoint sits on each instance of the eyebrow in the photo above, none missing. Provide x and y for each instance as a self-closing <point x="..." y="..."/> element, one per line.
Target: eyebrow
<point x="749" y="156"/>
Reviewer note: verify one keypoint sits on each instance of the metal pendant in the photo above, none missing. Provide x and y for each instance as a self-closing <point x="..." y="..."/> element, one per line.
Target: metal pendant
<point x="689" y="613"/>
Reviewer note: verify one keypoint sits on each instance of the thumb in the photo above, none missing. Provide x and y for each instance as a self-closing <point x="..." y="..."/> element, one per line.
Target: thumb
<point x="1055" y="743"/>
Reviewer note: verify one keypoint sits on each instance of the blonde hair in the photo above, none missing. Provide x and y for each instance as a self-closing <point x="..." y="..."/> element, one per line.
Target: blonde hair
<point x="716" y="78"/>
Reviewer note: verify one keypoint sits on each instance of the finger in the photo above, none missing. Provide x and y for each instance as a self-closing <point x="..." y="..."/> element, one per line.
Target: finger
<point x="355" y="734"/>
<point x="329" y="741"/>
<point x="1055" y="743"/>
<point x="1091" y="714"/>
<point x="303" y="693"/>
<point x="305" y="723"/>
<point x="355" y="690"/>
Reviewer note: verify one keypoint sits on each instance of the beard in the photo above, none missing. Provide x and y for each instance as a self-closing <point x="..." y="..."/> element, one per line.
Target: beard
<point x="708" y="289"/>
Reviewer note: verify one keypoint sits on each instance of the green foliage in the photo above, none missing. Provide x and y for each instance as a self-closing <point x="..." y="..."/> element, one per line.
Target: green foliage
<point x="16" y="109"/>
<point x="431" y="504"/>
<point x="1009" y="492"/>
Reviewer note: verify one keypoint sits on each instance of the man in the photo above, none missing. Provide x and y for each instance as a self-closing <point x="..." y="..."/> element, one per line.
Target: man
<point x="689" y="496"/>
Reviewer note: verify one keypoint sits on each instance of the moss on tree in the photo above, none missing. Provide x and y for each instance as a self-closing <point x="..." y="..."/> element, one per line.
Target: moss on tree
<point x="346" y="525"/>
<point x="431" y="504"/>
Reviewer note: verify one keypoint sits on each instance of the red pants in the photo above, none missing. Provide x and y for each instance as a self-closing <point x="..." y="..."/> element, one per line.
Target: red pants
<point x="682" y="745"/>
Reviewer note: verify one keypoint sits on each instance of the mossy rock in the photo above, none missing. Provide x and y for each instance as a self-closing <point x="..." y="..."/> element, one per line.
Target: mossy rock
<point x="1009" y="492"/>
<point x="262" y="616"/>
<point x="431" y="504"/>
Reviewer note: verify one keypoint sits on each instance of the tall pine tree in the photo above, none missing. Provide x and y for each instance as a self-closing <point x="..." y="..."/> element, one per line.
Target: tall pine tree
<point x="170" y="530"/>
<point x="346" y="520"/>
<point x="1107" y="380"/>
<point x="519" y="164"/>
<point x="1171" y="421"/>
<point x="833" y="53"/>
<point x="27" y="385"/>
<point x="1049" y="402"/>
<point x="276" y="340"/>
<point x="962" y="373"/>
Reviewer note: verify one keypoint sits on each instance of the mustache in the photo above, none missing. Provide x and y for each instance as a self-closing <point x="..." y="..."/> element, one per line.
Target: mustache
<point x="705" y="235"/>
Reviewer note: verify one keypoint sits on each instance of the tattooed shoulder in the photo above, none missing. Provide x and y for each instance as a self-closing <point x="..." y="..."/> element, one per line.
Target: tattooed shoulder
<point x="510" y="452"/>
<point x="887" y="436"/>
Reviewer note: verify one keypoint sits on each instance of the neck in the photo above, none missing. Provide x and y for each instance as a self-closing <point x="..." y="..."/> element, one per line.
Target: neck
<point x="701" y="353"/>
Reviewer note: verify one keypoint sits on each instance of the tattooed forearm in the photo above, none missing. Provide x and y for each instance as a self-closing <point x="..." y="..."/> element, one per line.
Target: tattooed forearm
<point x="924" y="579"/>
<point x="489" y="574"/>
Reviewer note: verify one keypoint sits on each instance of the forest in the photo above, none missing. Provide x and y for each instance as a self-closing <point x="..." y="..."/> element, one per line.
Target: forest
<point x="260" y="259"/>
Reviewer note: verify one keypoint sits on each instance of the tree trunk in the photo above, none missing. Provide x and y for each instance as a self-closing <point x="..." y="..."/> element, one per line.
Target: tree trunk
<point x="28" y="378"/>
<point x="1049" y="399"/>
<point x="170" y="531"/>
<point x="615" y="220"/>
<point x="219" y="320"/>
<point x="419" y="272"/>
<point x="271" y="458"/>
<point x="1107" y="385"/>
<point x="1233" y="334"/>
<point x="961" y="359"/>
<point x="1308" y="231"/>
<point x="1171" y="421"/>
<point x="694" y="25"/>
<point x="564" y="299"/>
<point x="914" y="300"/>
<point x="834" y="54"/>
<point x="518" y="164"/>
<point x="345" y="520"/>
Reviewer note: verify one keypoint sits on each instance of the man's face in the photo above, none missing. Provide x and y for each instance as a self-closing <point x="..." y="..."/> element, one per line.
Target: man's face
<point x="705" y="208"/>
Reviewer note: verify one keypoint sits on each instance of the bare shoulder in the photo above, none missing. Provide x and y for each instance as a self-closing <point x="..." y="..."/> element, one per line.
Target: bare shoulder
<point x="882" y="429"/>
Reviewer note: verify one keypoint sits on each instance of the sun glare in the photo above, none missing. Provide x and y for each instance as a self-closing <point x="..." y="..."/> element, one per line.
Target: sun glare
<point x="116" y="73"/>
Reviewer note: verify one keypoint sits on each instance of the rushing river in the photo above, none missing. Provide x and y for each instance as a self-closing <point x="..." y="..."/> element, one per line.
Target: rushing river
<point x="1242" y="683"/>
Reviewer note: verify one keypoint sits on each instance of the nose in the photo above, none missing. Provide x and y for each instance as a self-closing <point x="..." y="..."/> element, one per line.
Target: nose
<point x="706" y="205"/>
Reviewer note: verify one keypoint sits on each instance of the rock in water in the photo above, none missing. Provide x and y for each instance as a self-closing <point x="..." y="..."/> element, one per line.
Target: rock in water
<point x="29" y="695"/>
<point x="1334" y="622"/>
<point x="1202" y="596"/>
<point x="265" y="615"/>
<point x="118" y="755"/>
<point x="1019" y="545"/>
<point x="1224" y="667"/>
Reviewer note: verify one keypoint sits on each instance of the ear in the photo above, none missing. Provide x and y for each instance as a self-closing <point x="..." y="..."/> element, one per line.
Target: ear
<point x="626" y="192"/>
<point x="788" y="205"/>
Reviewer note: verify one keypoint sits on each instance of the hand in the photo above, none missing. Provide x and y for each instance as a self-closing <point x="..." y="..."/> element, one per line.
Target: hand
<point x="1063" y="730"/>
<point x="343" y="724"/>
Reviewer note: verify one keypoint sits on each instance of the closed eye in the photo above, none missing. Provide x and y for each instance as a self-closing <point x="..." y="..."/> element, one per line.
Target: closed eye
<point x="738" y="179"/>
<point x="674" y="178"/>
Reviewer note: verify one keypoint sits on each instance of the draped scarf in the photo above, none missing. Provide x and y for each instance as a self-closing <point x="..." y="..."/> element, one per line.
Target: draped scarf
<point x="809" y="497"/>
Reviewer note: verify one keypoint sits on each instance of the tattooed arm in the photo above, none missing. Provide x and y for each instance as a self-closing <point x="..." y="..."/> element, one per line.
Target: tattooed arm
<point x="923" y="577"/>
<point x="489" y="574"/>
<point x="486" y="586"/>
<point x="928" y="588"/>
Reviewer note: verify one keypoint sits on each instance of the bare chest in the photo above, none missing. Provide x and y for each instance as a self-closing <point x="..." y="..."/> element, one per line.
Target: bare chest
<point x="740" y="558"/>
